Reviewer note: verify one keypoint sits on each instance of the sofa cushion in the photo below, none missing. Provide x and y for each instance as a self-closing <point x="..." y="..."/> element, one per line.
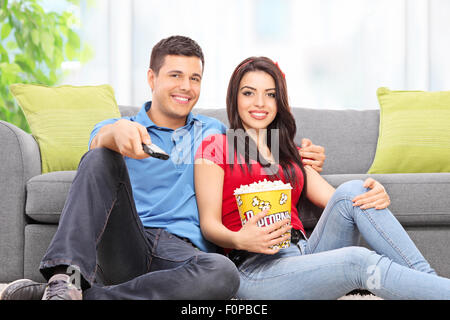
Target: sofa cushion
<point x="219" y="114"/>
<point x="46" y="195"/>
<point x="417" y="199"/>
<point x="414" y="132"/>
<point x="348" y="136"/>
<point x="128" y="111"/>
<point x="329" y="128"/>
<point x="61" y="119"/>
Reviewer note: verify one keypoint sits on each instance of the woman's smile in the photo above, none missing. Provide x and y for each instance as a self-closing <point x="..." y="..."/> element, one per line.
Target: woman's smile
<point x="258" y="115"/>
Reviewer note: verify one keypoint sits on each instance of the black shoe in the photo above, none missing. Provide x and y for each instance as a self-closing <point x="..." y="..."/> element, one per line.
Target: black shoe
<point x="23" y="289"/>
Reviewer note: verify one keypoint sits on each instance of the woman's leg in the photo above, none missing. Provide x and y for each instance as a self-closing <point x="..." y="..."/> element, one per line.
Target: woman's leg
<point x="329" y="266"/>
<point x="331" y="274"/>
<point x="289" y="275"/>
<point x="341" y="223"/>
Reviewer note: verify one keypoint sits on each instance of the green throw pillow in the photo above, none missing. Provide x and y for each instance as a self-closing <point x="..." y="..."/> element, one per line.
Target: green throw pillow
<point x="62" y="118"/>
<point x="414" y="132"/>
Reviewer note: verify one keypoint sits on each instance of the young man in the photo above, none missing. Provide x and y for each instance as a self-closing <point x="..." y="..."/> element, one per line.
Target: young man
<point x="130" y="226"/>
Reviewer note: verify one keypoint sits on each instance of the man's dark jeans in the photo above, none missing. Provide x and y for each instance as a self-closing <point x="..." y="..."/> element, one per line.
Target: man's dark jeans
<point x="101" y="233"/>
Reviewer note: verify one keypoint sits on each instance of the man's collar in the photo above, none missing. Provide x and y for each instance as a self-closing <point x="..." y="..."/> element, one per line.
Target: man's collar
<point x="143" y="118"/>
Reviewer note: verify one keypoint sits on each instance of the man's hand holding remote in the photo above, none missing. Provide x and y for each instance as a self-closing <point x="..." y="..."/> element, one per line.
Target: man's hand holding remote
<point x="125" y="137"/>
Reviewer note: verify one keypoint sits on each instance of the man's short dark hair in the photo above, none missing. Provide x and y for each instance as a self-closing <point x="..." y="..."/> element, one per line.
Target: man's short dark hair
<point x="174" y="45"/>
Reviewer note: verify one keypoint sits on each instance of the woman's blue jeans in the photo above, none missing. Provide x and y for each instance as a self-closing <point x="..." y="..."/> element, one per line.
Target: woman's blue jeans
<point x="328" y="265"/>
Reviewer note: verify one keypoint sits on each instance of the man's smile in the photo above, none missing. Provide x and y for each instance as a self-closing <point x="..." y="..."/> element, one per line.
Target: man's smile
<point x="181" y="99"/>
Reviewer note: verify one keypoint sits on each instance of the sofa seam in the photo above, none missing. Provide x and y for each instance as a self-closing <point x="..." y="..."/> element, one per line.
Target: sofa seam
<point x="41" y="181"/>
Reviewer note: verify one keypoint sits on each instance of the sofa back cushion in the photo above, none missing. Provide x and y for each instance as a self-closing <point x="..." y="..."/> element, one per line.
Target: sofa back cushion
<point x="348" y="136"/>
<point x="219" y="114"/>
<point x="128" y="111"/>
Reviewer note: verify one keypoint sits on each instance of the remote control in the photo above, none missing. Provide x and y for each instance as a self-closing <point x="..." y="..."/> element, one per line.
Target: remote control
<point x="155" y="151"/>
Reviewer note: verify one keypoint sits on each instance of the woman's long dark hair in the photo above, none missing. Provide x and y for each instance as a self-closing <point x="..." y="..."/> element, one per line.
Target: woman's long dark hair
<point x="284" y="120"/>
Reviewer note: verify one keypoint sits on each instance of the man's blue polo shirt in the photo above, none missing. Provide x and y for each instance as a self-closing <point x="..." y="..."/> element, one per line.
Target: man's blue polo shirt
<point x="164" y="190"/>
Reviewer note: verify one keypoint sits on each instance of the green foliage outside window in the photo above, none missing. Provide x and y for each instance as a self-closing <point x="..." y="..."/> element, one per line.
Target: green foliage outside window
<point x="33" y="45"/>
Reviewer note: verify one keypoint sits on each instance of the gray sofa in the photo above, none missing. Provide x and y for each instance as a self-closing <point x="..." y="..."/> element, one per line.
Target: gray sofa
<point x="30" y="203"/>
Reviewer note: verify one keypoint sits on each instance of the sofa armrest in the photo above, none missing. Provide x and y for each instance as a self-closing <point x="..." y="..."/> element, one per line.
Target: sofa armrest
<point x="20" y="160"/>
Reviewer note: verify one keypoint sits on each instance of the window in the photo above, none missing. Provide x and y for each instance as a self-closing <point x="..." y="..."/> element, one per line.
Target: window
<point x="335" y="53"/>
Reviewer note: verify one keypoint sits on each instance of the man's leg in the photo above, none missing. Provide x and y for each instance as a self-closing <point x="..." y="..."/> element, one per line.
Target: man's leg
<point x="101" y="234"/>
<point x="99" y="201"/>
<point x="178" y="271"/>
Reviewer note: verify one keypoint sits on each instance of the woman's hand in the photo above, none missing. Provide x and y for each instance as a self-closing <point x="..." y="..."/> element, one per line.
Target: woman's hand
<point x="312" y="155"/>
<point x="376" y="198"/>
<point x="257" y="239"/>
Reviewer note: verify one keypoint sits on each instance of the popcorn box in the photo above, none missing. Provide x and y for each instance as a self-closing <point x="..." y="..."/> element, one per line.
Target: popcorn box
<point x="272" y="195"/>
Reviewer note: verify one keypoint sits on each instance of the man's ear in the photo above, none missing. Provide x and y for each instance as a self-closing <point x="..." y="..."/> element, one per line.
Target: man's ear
<point x="151" y="78"/>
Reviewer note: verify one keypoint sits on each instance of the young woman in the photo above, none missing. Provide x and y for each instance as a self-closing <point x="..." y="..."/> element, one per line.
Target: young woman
<point x="328" y="264"/>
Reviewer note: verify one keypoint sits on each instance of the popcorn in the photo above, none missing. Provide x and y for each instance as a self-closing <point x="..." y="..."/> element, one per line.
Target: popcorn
<point x="283" y="198"/>
<point x="239" y="201"/>
<point x="261" y="186"/>
<point x="273" y="196"/>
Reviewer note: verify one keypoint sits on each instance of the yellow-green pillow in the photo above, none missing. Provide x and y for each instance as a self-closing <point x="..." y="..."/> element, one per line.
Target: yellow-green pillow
<point x="414" y="132"/>
<point x="62" y="118"/>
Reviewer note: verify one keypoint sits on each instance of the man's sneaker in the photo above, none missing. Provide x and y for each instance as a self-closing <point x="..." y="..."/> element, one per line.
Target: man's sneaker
<point x="23" y="289"/>
<point x="59" y="287"/>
